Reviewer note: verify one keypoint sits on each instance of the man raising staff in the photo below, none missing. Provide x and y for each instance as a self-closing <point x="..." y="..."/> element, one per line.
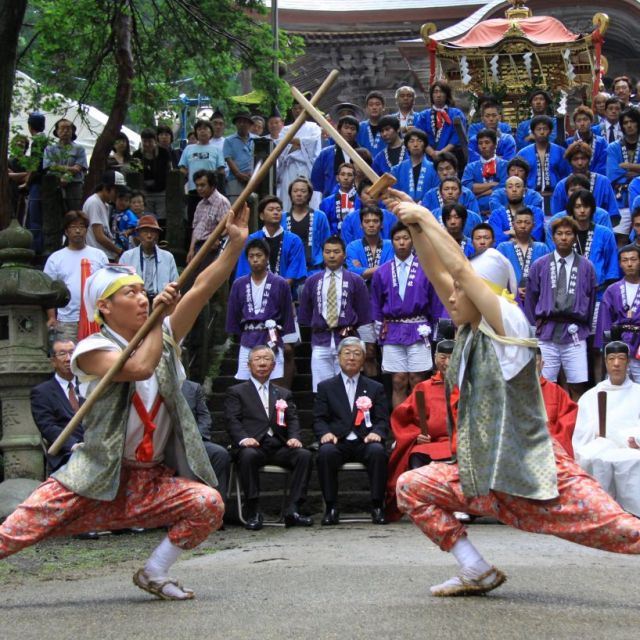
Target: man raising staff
<point x="505" y="458"/>
<point x="118" y="478"/>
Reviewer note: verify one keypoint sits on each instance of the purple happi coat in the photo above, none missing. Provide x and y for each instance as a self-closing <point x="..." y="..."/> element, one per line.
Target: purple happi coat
<point x="615" y="309"/>
<point x="539" y="300"/>
<point x="355" y="309"/>
<point x="246" y="317"/>
<point x="401" y="318"/>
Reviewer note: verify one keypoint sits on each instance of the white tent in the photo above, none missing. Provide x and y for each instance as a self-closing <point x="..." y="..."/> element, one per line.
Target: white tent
<point x="89" y="121"/>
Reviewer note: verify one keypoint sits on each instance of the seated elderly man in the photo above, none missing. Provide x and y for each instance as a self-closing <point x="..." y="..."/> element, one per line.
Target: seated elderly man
<point x="263" y="424"/>
<point x="611" y="452"/>
<point x="351" y="420"/>
<point x="54" y="403"/>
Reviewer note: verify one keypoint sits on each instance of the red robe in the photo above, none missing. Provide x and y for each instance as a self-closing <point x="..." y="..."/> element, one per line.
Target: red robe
<point x="406" y="428"/>
<point x="561" y="413"/>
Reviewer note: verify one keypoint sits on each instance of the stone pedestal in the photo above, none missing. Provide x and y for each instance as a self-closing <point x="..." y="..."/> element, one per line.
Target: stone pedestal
<point x="23" y="364"/>
<point x="25" y="293"/>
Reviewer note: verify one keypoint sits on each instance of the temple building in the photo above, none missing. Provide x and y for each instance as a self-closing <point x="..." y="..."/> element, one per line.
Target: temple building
<point x="377" y="45"/>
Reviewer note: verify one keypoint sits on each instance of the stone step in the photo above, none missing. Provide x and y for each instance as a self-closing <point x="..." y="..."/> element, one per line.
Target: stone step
<point x="301" y="382"/>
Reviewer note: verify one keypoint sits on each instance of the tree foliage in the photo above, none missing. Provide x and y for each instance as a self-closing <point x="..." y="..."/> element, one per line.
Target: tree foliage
<point x="83" y="48"/>
<point x="11" y="16"/>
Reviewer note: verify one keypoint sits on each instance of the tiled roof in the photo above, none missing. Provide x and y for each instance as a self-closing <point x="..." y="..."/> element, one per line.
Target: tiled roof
<point x="370" y="5"/>
<point x="462" y="27"/>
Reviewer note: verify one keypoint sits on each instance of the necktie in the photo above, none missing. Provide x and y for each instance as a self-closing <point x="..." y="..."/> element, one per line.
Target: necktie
<point x="332" y="302"/>
<point x="264" y="396"/>
<point x="73" y="398"/>
<point x="612" y="134"/>
<point x="561" y="298"/>
<point x="351" y="391"/>
<point x="562" y="284"/>
<point x="402" y="279"/>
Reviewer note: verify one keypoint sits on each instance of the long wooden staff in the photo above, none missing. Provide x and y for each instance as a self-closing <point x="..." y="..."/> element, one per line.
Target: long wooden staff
<point x="253" y="183"/>
<point x="380" y="183"/>
<point x="602" y="414"/>
<point x="422" y="413"/>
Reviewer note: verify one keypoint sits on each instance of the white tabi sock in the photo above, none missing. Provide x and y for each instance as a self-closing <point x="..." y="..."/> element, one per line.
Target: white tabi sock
<point x="161" y="559"/>
<point x="469" y="558"/>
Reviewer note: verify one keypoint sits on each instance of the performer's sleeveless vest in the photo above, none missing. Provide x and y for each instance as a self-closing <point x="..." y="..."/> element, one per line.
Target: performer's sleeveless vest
<point x="501" y="434"/>
<point x="94" y="468"/>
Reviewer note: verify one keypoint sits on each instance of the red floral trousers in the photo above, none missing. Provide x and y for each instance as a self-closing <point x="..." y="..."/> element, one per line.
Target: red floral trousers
<point x="583" y="512"/>
<point x="149" y="498"/>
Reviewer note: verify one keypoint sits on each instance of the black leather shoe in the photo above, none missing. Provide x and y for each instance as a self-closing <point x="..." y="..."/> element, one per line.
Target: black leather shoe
<point x="254" y="523"/>
<point x="331" y="517"/>
<point x="377" y="516"/>
<point x="296" y="520"/>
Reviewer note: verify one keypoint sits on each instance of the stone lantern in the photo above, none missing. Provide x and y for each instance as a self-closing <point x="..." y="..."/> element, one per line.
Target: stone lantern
<point x="25" y="293"/>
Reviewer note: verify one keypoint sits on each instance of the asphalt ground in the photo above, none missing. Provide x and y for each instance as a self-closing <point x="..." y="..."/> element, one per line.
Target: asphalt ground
<point x="352" y="581"/>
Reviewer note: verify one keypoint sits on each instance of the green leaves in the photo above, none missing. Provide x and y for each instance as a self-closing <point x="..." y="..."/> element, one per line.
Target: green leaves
<point x="179" y="46"/>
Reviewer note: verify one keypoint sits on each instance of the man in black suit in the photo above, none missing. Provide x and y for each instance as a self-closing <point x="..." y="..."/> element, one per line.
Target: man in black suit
<point x="263" y="424"/>
<point x="351" y="419"/>
<point x="218" y="455"/>
<point x="54" y="403"/>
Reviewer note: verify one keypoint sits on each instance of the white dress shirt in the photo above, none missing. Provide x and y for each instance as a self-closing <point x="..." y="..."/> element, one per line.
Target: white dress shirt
<point x="350" y="385"/>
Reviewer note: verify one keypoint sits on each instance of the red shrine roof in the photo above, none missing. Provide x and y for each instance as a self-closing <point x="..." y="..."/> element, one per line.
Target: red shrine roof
<point x="538" y="30"/>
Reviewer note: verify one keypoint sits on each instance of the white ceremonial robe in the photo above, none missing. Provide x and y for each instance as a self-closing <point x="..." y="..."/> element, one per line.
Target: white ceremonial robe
<point x="610" y="460"/>
<point x="294" y="163"/>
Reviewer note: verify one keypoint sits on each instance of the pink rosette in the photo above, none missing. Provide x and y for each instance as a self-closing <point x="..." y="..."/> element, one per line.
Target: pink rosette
<point x="281" y="407"/>
<point x="363" y="405"/>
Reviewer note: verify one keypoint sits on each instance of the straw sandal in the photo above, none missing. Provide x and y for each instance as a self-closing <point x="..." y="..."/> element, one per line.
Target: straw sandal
<point x="470" y="586"/>
<point x="156" y="587"/>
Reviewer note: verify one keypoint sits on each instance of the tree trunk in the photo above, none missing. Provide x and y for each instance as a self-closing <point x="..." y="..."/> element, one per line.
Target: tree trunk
<point x="124" y="62"/>
<point x="11" y="17"/>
